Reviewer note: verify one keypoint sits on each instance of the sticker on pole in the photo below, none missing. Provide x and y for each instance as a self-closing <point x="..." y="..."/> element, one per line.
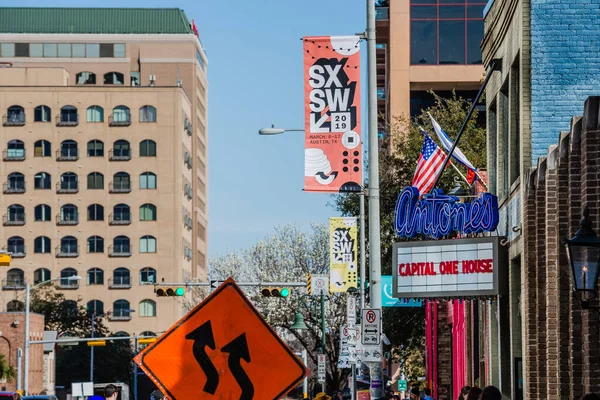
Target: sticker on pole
<point x="321" y="368"/>
<point x="222" y="349"/>
<point x="371" y="326"/>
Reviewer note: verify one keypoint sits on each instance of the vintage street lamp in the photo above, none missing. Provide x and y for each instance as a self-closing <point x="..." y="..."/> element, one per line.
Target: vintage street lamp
<point x="583" y="251"/>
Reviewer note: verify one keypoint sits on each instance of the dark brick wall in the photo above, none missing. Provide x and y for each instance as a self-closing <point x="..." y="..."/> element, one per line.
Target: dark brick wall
<point x="444" y="348"/>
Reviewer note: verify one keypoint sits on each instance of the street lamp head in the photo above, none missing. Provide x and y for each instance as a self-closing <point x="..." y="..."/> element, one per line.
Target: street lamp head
<point x="74" y="278"/>
<point x="271" y="131"/>
<point x="299" y="323"/>
<point x="583" y="251"/>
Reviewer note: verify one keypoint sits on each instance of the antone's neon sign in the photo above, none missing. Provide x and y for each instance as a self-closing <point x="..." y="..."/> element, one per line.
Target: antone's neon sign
<point x="438" y="214"/>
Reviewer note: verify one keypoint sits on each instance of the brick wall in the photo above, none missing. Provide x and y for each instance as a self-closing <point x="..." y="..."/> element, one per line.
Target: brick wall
<point x="564" y="65"/>
<point x="562" y="340"/>
<point x="444" y="353"/>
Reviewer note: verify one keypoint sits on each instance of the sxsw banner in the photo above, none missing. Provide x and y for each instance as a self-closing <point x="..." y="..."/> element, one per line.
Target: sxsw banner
<point x="332" y="150"/>
<point x="343" y="253"/>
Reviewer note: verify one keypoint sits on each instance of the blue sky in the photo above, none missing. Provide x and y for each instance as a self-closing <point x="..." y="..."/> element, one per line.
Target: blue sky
<point x="255" y="79"/>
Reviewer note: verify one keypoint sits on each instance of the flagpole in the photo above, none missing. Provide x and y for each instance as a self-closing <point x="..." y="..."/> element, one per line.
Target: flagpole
<point x="495" y="65"/>
<point x="460" y="173"/>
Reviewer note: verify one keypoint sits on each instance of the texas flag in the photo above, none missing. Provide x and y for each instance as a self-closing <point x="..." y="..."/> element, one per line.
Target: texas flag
<point x="457" y="154"/>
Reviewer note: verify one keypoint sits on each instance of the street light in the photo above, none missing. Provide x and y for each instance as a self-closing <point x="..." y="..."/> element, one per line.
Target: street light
<point x="583" y="251"/>
<point x="27" y="311"/>
<point x="276" y="131"/>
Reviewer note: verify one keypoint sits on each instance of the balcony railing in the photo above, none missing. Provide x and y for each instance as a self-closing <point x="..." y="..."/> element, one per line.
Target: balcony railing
<point x="119" y="121"/>
<point x="119" y="155"/>
<point x="67" y="155"/>
<point x="67" y="251"/>
<point x="13" y="119"/>
<point x="119" y="316"/>
<point x="14" y="219"/>
<point x="121" y="187"/>
<point x="119" y="251"/>
<point x="382" y="13"/>
<point x="16" y="251"/>
<point x="67" y="120"/>
<point x="119" y="219"/>
<point x="67" y="187"/>
<point x="14" y="187"/>
<point x="67" y="284"/>
<point x="119" y="283"/>
<point x="13" y="154"/>
<point x="67" y="219"/>
<point x="13" y="284"/>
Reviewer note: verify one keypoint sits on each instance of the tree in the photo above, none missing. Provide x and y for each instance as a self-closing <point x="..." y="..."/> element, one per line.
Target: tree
<point x="405" y="326"/>
<point x="288" y="255"/>
<point x="6" y="371"/>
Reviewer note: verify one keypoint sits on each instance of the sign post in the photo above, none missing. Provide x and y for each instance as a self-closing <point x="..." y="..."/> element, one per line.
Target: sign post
<point x="321" y="369"/>
<point x="371" y="335"/>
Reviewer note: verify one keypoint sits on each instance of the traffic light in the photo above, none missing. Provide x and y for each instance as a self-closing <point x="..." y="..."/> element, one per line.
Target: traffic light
<point x="169" y="291"/>
<point x="276" y="292"/>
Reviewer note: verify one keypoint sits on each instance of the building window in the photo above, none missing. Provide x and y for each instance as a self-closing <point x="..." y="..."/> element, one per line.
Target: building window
<point x="92" y="50"/>
<point x="16" y="244"/>
<point x="121" y="114"/>
<point x="15" y="277"/>
<point x="134" y="78"/>
<point x="64" y="49"/>
<point x="78" y="50"/>
<point x="147" y="276"/>
<point x="95" y="114"/>
<point x="41" y="275"/>
<point x="446" y="32"/>
<point x="200" y="60"/>
<point x="95" y="276"/>
<point x="67" y="273"/>
<point x="147" y="114"/>
<point x="148" y="212"/>
<point x="121" y="309"/>
<point x="68" y="115"/>
<point x="15" y="306"/>
<point x="148" y="148"/>
<point x="50" y="50"/>
<point x="42" y="148"/>
<point x="69" y="181"/>
<point x="69" y="150"/>
<point x="95" y="212"/>
<point x="15" y="115"/>
<point x="95" y="244"/>
<point x="7" y="49"/>
<point x="15" y="149"/>
<point x="121" y="150"/>
<point x="95" y="181"/>
<point x="121" y="244"/>
<point x="119" y="50"/>
<point x="21" y="49"/>
<point x="16" y="182"/>
<point x="42" y="213"/>
<point x="121" y="181"/>
<point x="95" y="148"/>
<point x="147" y="244"/>
<point x="42" y="244"/>
<point x="147" y="180"/>
<point x="42" y="180"/>
<point x="69" y="213"/>
<point x="42" y="114"/>
<point x="121" y="277"/>
<point x="95" y="307"/>
<point x="113" y="78"/>
<point x="515" y="125"/>
<point x="147" y="308"/>
<point x="16" y="214"/>
<point x="121" y="212"/>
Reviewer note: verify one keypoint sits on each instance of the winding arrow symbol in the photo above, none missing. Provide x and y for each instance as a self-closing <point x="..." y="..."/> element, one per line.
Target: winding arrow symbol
<point x="238" y="350"/>
<point x="202" y="337"/>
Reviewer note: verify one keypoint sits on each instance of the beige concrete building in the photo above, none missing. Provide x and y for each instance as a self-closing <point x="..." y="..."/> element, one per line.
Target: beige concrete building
<point x="427" y="45"/>
<point x="104" y="167"/>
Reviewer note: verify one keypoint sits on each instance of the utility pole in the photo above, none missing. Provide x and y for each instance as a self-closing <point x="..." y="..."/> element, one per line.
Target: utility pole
<point x="374" y="215"/>
<point x="323" y="342"/>
<point x="363" y="249"/>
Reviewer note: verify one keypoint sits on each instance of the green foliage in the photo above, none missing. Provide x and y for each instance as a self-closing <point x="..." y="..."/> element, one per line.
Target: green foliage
<point x="405" y="326"/>
<point x="6" y="371"/>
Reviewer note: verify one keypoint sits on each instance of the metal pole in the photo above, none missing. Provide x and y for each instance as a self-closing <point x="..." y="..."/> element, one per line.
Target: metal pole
<point x="353" y="391"/>
<point x="493" y="66"/>
<point x="135" y="372"/>
<point x="363" y="249"/>
<point x="19" y="368"/>
<point x="323" y="342"/>
<point x="305" y="382"/>
<point x="92" y="350"/>
<point x="374" y="215"/>
<point x="27" y="310"/>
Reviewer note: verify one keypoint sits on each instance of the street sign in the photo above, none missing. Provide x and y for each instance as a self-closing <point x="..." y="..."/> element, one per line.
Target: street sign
<point x="222" y="348"/>
<point x="388" y="299"/>
<point x="318" y="284"/>
<point x="321" y="371"/>
<point x="371" y="326"/>
<point x="351" y="311"/>
<point x="344" y="355"/>
<point x="402" y="386"/>
<point x="215" y="284"/>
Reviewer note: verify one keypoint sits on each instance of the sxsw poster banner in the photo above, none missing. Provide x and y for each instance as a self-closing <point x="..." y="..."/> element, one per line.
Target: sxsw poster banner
<point x="333" y="150"/>
<point x="343" y="253"/>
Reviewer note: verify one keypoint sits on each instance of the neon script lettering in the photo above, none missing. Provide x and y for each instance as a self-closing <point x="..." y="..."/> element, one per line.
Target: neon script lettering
<point x="438" y="214"/>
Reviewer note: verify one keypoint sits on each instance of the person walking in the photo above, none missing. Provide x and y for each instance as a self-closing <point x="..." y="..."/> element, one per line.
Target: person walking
<point x="463" y="393"/>
<point x="473" y="394"/>
<point x="415" y="394"/>
<point x="491" y="393"/>
<point x="111" y="392"/>
<point x="428" y="394"/>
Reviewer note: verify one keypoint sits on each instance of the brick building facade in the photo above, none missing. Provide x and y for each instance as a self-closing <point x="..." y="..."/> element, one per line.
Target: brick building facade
<point x="12" y="338"/>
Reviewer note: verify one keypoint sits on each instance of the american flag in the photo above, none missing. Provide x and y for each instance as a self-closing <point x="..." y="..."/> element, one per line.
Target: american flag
<point x="429" y="165"/>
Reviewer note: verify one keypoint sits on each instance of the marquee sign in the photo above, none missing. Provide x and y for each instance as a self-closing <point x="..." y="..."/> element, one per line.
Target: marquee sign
<point x="449" y="268"/>
<point x="438" y="214"/>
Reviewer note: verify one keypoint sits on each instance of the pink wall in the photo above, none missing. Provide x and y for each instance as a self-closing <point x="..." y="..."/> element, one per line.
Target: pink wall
<point x="459" y="346"/>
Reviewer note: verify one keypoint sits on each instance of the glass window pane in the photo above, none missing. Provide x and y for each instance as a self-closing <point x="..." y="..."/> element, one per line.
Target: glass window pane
<point x="119" y="50"/>
<point x="22" y="50"/>
<point x="92" y="50"/>
<point x="7" y="49"/>
<point x="475" y="11"/>
<point x="452" y="12"/>
<point x="106" y="50"/>
<point x="452" y="42"/>
<point x="451" y="1"/>
<point x="79" y="50"/>
<point x="423" y="1"/>
<point x="36" y="50"/>
<point x="474" y="37"/>
<point x="423" y="42"/>
<point x="423" y="12"/>
<point x="50" y="50"/>
<point x="64" y="50"/>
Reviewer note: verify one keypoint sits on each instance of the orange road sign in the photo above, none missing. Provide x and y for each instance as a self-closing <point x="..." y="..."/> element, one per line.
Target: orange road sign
<point x="222" y="349"/>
